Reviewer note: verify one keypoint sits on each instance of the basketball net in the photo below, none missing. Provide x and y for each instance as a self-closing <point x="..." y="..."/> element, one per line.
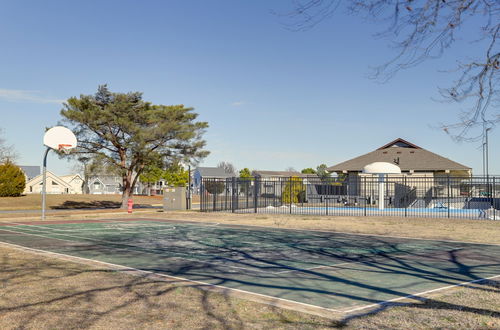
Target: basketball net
<point x="66" y="148"/>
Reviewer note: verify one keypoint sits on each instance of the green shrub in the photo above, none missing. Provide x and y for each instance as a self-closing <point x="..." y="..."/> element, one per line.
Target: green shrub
<point x="12" y="180"/>
<point x="215" y="187"/>
<point x="293" y="191"/>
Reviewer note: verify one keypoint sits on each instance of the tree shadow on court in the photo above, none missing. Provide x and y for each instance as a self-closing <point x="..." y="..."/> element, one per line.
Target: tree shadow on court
<point x="446" y="265"/>
<point x="279" y="263"/>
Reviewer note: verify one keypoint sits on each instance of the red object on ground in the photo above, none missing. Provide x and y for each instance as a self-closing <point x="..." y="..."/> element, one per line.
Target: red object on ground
<point x="130" y="204"/>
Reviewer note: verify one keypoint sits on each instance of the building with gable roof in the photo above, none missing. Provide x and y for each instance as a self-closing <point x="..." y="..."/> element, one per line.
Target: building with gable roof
<point x="55" y="184"/>
<point x="425" y="172"/>
<point x="411" y="159"/>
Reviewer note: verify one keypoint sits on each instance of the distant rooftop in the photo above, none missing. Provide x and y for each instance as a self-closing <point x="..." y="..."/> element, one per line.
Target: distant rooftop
<point x="30" y="171"/>
<point x="214" y="172"/>
<point x="405" y="155"/>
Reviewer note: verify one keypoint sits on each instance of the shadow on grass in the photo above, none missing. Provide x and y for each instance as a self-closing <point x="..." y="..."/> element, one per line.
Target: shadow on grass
<point x="67" y="205"/>
<point x="75" y="205"/>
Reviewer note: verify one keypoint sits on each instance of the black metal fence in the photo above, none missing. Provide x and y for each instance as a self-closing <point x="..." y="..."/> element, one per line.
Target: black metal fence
<point x="403" y="196"/>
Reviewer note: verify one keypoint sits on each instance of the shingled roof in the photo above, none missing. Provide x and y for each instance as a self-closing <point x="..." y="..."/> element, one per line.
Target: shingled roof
<point x="406" y="155"/>
<point x="214" y="172"/>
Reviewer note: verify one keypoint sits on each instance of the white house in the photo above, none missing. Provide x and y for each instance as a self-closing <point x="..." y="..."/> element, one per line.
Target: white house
<point x="69" y="184"/>
<point x="75" y="181"/>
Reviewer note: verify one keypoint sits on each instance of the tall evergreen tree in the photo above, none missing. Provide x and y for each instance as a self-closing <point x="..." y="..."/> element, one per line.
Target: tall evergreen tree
<point x="131" y="134"/>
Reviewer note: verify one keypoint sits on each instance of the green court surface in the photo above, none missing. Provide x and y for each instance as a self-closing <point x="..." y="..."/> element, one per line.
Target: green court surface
<point x="338" y="271"/>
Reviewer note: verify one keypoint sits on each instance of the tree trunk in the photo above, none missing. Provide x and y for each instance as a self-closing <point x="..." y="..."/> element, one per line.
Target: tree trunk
<point x="127" y="190"/>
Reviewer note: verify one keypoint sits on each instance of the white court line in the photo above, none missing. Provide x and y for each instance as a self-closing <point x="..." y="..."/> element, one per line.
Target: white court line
<point x="192" y="222"/>
<point x="126" y="268"/>
<point x="419" y="295"/>
<point x="134" y="246"/>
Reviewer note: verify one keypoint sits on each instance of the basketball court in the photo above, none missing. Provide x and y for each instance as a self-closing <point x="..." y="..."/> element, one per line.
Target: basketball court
<point x="313" y="271"/>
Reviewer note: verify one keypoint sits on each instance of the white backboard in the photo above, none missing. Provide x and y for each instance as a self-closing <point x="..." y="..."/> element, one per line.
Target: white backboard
<point x="59" y="136"/>
<point x="381" y="168"/>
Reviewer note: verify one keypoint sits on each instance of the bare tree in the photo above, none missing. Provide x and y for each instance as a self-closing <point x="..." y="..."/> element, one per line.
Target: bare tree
<point x="7" y="152"/>
<point x="290" y="169"/>
<point x="227" y="166"/>
<point x="425" y="29"/>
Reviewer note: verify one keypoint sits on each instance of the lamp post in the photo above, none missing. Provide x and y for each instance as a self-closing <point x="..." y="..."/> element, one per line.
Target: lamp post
<point x="484" y="162"/>
<point x="44" y="181"/>
<point x="487" y="164"/>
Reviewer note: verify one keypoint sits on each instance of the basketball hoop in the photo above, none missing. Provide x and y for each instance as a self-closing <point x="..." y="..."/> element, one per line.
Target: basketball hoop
<point x="62" y="140"/>
<point x="66" y="148"/>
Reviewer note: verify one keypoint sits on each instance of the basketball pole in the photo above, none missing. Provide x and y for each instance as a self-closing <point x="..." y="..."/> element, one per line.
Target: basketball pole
<point x="44" y="181"/>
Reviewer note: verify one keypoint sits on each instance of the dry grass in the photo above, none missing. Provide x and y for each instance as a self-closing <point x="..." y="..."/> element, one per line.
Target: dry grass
<point x="34" y="201"/>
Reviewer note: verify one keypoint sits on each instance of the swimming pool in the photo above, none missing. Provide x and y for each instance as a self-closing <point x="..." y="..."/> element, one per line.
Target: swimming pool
<point x="438" y="212"/>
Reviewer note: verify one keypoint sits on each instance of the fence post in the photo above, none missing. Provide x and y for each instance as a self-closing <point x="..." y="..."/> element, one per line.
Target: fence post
<point x="448" y="196"/>
<point x="255" y="198"/>
<point x="202" y="197"/>
<point x="290" y="184"/>
<point x="226" y="194"/>
<point x="492" y="199"/>
<point x="247" y="190"/>
<point x="215" y="196"/>
<point x="275" y="193"/>
<point x="406" y="197"/>
<point x="366" y="198"/>
<point x="326" y="201"/>
<point x="233" y="194"/>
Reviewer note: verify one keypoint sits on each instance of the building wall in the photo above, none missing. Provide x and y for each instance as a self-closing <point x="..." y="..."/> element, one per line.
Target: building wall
<point x="54" y="185"/>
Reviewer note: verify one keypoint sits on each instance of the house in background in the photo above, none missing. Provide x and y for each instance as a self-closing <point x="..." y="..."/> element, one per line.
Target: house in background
<point x="430" y="170"/>
<point x="207" y="173"/>
<point x="55" y="184"/>
<point x="109" y="184"/>
<point x="105" y="184"/>
<point x="75" y="181"/>
<point x="411" y="159"/>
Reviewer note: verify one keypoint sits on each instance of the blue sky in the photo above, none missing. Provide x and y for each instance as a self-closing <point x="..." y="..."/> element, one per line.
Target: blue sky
<point x="273" y="98"/>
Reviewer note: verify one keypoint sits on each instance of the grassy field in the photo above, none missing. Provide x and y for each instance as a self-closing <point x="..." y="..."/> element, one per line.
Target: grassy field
<point x="44" y="292"/>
